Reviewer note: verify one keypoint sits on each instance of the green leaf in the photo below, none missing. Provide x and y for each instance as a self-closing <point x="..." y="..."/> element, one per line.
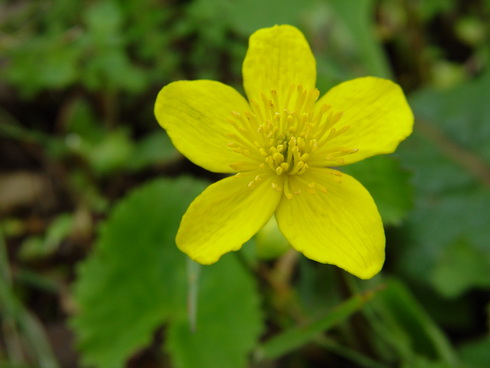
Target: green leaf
<point x="353" y="48"/>
<point x="135" y="281"/>
<point x="60" y="58"/>
<point x="246" y="16"/>
<point x="448" y="156"/>
<point x="135" y="278"/>
<point x="357" y="17"/>
<point x="296" y="337"/>
<point x="461" y="113"/>
<point x="110" y="154"/>
<point x="421" y="362"/>
<point x="389" y="185"/>
<point x="228" y="322"/>
<point x="460" y="268"/>
<point x="36" y="247"/>
<point x="155" y="148"/>
<point x="13" y="129"/>
<point x="477" y="352"/>
<point x="83" y="125"/>
<point x="104" y="20"/>
<point x="23" y="334"/>
<point x="408" y="327"/>
<point x="109" y="68"/>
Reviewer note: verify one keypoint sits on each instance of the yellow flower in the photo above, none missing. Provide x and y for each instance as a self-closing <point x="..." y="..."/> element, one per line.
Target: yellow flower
<point x="281" y="144"/>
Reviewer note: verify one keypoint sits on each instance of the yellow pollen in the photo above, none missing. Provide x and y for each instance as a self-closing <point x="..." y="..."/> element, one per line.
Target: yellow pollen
<point x="287" y="134"/>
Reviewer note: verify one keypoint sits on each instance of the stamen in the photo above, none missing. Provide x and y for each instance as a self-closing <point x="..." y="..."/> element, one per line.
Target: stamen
<point x="311" y="188"/>
<point x="303" y="169"/>
<point x="286" y="135"/>
<point x="289" y="95"/>
<point x="313" y="95"/>
<point x="274" y="98"/>
<point x="297" y="167"/>
<point x="243" y="166"/>
<point x="287" y="191"/>
<point x="258" y="111"/>
<point x="276" y="187"/>
<point x="300" y="99"/>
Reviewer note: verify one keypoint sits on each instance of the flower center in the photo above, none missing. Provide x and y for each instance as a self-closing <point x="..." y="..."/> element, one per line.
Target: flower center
<point x="288" y="155"/>
<point x="282" y="135"/>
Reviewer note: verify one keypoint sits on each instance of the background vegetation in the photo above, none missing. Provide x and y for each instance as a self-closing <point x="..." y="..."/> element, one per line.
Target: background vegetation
<point x="91" y="192"/>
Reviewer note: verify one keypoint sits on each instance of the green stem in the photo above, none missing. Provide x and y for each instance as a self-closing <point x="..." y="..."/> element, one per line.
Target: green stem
<point x="353" y="356"/>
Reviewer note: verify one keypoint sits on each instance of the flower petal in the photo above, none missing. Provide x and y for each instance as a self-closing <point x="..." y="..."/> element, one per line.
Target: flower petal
<point x="377" y="114"/>
<point x="195" y="115"/>
<point x="339" y="224"/>
<point x="277" y="58"/>
<point x="226" y="215"/>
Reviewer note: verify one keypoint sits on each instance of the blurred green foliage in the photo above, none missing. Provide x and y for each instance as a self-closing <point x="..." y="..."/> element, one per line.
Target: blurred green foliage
<point x="77" y="85"/>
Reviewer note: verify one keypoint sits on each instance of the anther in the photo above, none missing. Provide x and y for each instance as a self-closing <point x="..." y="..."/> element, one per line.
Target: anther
<point x="303" y="169"/>
<point x="278" y="158"/>
<point x="304" y="157"/>
<point x="276" y="187"/>
<point x="297" y="167"/>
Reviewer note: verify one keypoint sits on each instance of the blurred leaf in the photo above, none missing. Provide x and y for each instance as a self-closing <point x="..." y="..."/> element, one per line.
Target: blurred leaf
<point x="89" y="192"/>
<point x="78" y="44"/>
<point x="155" y="148"/>
<point x="104" y="20"/>
<point x="460" y="268"/>
<point x="449" y="159"/>
<point x="59" y="63"/>
<point x="112" y="70"/>
<point x="350" y="353"/>
<point x="82" y="124"/>
<point x="246" y="16"/>
<point x="461" y="113"/>
<point x="109" y="151"/>
<point x="147" y="16"/>
<point x="477" y="353"/>
<point x="408" y="327"/>
<point x="471" y="30"/>
<point x="112" y="153"/>
<point x="296" y="337"/>
<point x="23" y="333"/>
<point x="429" y="9"/>
<point x="108" y="66"/>
<point x="445" y="74"/>
<point x="345" y="25"/>
<point x="11" y="128"/>
<point x="435" y="224"/>
<point x="136" y="280"/>
<point x="421" y="362"/>
<point x="389" y="185"/>
<point x="37" y="247"/>
<point x="314" y="287"/>
<point x="357" y="17"/>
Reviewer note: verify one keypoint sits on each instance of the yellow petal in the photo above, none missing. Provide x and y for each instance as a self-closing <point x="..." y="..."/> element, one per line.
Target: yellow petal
<point x="377" y="114"/>
<point x="226" y="215"/>
<point x="339" y="224"/>
<point x="196" y="116"/>
<point x="277" y="58"/>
